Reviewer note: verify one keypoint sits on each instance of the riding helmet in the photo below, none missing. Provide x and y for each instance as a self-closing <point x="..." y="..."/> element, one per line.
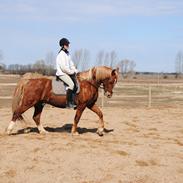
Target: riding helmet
<point x="64" y="41"/>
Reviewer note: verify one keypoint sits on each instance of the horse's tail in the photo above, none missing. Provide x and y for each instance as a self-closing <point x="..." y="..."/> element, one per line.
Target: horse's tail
<point x="18" y="95"/>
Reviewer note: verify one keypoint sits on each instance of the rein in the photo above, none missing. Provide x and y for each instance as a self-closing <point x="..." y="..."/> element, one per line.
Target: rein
<point x="96" y="86"/>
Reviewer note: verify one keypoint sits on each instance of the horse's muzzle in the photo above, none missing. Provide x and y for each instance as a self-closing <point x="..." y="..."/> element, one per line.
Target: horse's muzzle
<point x="108" y="94"/>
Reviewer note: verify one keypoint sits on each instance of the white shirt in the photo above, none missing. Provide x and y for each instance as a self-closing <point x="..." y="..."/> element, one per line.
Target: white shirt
<point x="64" y="64"/>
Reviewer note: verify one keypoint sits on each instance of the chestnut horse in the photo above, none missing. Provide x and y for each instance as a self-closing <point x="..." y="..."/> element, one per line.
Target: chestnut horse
<point x="37" y="91"/>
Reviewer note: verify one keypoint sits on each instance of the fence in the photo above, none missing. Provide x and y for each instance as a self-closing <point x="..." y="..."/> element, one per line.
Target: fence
<point x="146" y="95"/>
<point x="126" y="95"/>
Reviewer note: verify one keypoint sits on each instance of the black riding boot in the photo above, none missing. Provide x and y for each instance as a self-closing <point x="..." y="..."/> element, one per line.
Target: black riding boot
<point x="70" y="102"/>
<point x="73" y="101"/>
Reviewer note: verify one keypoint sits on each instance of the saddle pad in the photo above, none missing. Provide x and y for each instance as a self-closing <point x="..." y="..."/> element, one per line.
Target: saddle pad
<point x="58" y="87"/>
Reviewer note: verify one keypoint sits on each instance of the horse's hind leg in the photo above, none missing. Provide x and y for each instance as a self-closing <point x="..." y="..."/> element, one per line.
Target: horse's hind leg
<point x="11" y="125"/>
<point x="96" y="110"/>
<point x="16" y="116"/>
<point x="37" y="114"/>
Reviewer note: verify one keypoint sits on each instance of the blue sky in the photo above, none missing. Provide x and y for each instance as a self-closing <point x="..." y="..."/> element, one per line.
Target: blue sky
<point x="148" y="32"/>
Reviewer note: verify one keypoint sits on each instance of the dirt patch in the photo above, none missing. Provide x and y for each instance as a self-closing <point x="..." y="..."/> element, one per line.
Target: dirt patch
<point x="137" y="147"/>
<point x="141" y="145"/>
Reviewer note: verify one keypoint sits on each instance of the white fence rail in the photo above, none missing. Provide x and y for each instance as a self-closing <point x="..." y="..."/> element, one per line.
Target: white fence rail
<point x="8" y="84"/>
<point x="148" y="94"/>
<point x="151" y="93"/>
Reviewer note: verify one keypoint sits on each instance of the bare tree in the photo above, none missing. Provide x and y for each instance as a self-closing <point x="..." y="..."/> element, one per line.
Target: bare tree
<point x="81" y="59"/>
<point x="50" y="58"/>
<point x="50" y="62"/>
<point x="86" y="59"/>
<point x="179" y="63"/>
<point x="14" y="68"/>
<point x="126" y="64"/>
<point x="132" y="67"/>
<point x="40" y="66"/>
<point x="2" y="65"/>
<point x="77" y="57"/>
<point x="127" y="67"/>
<point x="1" y="55"/>
<point x="100" y="58"/>
<point x="113" y="59"/>
<point x="106" y="58"/>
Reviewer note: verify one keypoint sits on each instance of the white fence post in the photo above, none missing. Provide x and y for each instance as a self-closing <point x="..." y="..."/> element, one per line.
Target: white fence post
<point x="150" y="96"/>
<point x="102" y="99"/>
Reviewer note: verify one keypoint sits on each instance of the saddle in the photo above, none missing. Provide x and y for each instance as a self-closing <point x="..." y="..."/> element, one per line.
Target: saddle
<point x="60" y="88"/>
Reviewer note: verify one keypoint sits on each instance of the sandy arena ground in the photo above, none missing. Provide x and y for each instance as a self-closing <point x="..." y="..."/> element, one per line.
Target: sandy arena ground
<point x="141" y="146"/>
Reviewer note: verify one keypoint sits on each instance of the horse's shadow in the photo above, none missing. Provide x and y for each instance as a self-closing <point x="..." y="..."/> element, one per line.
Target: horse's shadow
<point x="65" y="128"/>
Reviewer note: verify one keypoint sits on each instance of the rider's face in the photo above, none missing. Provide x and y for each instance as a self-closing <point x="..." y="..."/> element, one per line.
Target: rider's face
<point x="66" y="47"/>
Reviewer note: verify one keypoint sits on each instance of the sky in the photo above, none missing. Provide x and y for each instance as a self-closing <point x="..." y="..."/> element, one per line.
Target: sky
<point x="149" y="32"/>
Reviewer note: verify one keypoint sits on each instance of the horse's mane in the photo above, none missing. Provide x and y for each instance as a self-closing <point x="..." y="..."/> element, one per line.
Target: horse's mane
<point x="30" y="75"/>
<point x="85" y="75"/>
<point x="100" y="72"/>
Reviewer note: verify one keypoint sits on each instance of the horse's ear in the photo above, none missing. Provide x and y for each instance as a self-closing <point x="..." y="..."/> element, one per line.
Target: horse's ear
<point x="115" y="71"/>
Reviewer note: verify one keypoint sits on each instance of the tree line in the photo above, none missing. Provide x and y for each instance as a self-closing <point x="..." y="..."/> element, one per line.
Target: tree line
<point x="82" y="60"/>
<point x="80" y="57"/>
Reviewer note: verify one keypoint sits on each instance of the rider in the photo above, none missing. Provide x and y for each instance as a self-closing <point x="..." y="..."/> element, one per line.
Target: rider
<point x="66" y="71"/>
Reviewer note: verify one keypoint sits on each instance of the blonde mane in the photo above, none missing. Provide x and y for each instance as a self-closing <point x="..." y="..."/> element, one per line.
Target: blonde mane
<point x="85" y="75"/>
<point x="30" y="75"/>
<point x="100" y="72"/>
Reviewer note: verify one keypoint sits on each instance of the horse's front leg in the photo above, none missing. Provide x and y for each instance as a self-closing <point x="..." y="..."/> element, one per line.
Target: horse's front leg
<point x="96" y="110"/>
<point x="77" y="117"/>
<point x="37" y="114"/>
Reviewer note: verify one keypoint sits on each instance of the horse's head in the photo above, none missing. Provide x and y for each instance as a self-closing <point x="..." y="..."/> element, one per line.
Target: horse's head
<point x="102" y="75"/>
<point x="110" y="82"/>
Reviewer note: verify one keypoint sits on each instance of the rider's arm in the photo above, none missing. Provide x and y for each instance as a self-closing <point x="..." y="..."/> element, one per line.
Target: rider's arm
<point x="64" y="64"/>
<point x="73" y="66"/>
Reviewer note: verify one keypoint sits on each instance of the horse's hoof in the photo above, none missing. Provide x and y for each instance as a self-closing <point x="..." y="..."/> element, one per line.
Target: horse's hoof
<point x="7" y="131"/>
<point x="75" y="134"/>
<point x="44" y="132"/>
<point x="100" y="132"/>
<point x="27" y="130"/>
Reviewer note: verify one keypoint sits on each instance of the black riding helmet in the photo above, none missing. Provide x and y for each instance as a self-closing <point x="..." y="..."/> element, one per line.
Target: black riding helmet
<point x="64" y="41"/>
